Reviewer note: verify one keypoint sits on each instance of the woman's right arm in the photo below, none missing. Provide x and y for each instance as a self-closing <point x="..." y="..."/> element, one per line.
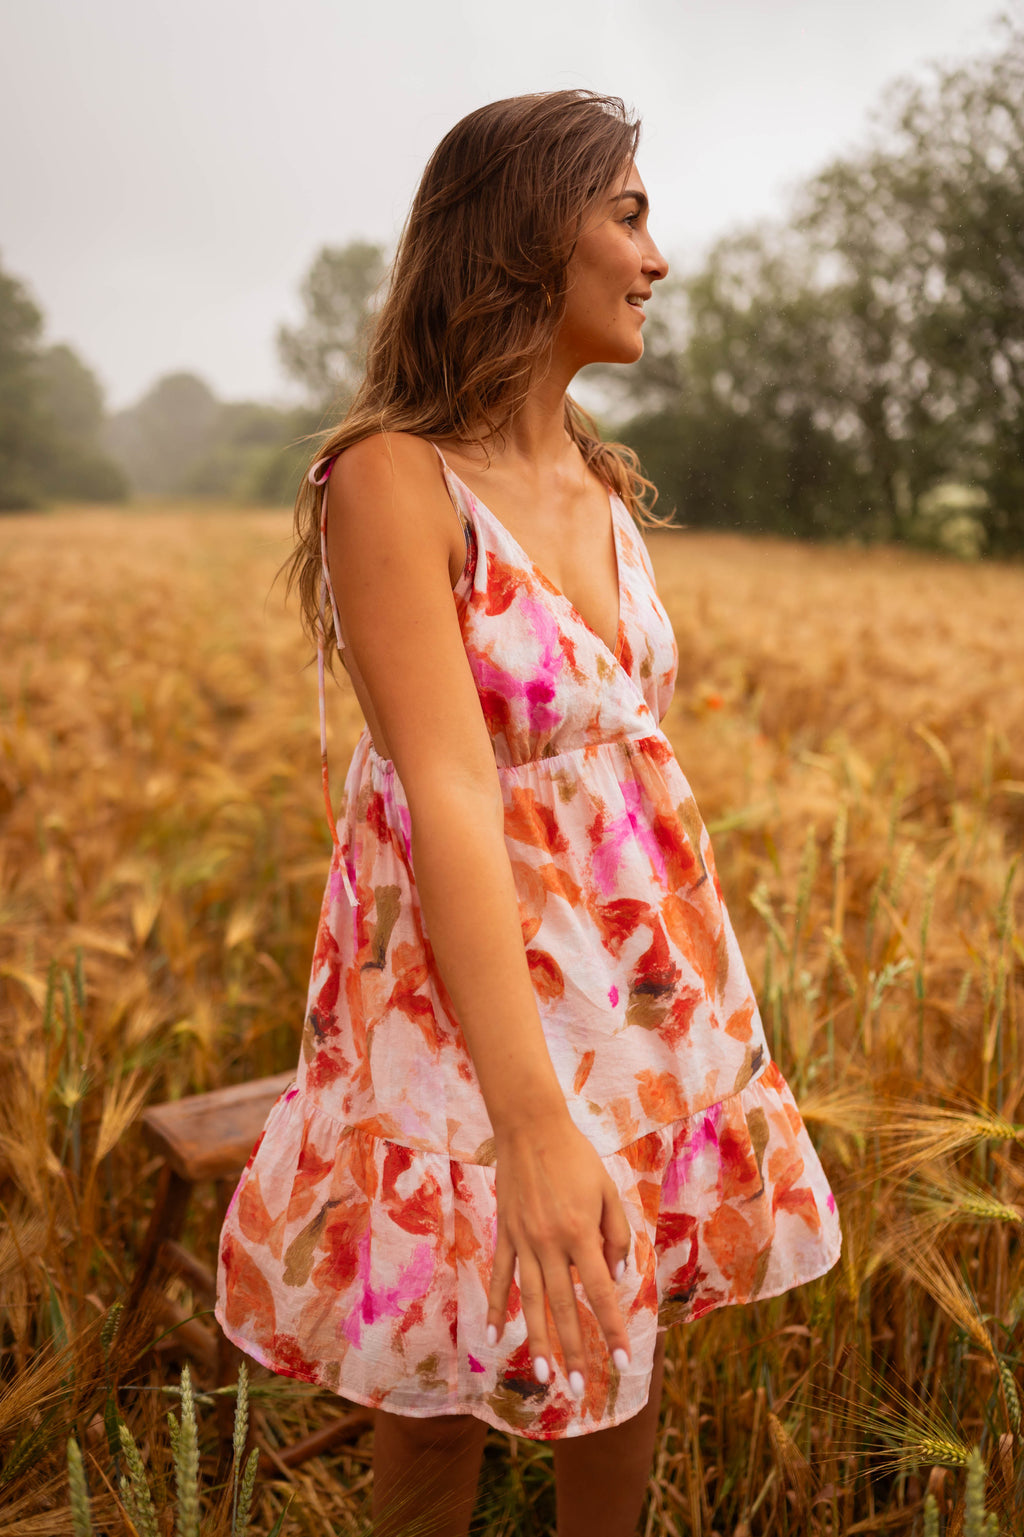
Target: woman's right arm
<point x="390" y="533"/>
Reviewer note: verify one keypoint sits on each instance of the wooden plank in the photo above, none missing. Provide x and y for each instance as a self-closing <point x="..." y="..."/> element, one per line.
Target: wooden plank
<point x="185" y="1334"/>
<point x="210" y="1136"/>
<point x="347" y="1428"/>
<point x="174" y="1257"/>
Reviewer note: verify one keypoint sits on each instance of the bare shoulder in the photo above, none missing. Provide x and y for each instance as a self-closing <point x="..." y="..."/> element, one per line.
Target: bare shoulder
<point x="388" y="466"/>
<point x="390" y="517"/>
<point x="394" y="551"/>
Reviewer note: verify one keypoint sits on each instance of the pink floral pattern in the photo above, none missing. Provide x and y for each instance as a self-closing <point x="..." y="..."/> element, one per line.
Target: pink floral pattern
<point x="357" y="1249"/>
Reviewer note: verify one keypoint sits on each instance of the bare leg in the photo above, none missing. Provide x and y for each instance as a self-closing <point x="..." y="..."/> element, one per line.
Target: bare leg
<point x="425" y="1474"/>
<point x="601" y="1478"/>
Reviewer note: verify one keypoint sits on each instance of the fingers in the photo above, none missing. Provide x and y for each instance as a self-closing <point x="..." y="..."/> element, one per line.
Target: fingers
<point x="502" y="1273"/>
<point x="532" y="1292"/>
<point x="547" y="1289"/>
<point x="549" y="1234"/>
<point x="602" y="1295"/>
<point x="615" y="1230"/>
<point x="552" y="1283"/>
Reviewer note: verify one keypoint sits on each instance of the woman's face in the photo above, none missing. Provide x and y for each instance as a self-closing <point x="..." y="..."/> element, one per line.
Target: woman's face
<point x="609" y="278"/>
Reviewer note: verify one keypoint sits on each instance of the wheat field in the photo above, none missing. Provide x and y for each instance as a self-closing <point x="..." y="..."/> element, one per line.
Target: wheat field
<point x="852" y="723"/>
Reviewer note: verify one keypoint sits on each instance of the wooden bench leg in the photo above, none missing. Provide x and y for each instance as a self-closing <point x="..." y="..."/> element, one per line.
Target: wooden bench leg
<point x="168" y="1219"/>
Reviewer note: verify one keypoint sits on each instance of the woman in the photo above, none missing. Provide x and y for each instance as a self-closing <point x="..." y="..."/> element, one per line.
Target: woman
<point x="535" y="1118"/>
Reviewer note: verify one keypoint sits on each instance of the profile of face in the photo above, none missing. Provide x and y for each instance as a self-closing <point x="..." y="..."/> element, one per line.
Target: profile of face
<point x="609" y="278"/>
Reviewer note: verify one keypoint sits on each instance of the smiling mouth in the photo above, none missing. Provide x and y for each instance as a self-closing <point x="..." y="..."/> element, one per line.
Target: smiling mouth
<point x="637" y="301"/>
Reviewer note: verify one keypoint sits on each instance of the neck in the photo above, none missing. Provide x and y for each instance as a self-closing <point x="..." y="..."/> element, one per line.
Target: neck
<point x="536" y="432"/>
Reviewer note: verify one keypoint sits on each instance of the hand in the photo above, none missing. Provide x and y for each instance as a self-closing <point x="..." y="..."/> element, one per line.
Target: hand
<point x="557" y="1206"/>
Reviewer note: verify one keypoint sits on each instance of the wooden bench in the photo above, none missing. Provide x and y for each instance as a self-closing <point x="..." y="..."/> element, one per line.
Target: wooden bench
<point x="208" y="1137"/>
<point x="201" y="1137"/>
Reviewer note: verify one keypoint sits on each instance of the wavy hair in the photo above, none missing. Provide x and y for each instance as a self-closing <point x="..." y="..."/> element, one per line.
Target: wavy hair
<point x="476" y="293"/>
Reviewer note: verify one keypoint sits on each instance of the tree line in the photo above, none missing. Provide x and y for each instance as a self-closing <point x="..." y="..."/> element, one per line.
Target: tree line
<point x="57" y="443"/>
<point x="858" y="369"/>
<point x="51" y="415"/>
<point x="853" y="370"/>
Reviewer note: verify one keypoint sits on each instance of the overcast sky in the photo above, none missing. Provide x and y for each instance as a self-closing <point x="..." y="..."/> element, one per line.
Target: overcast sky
<point x="169" y="168"/>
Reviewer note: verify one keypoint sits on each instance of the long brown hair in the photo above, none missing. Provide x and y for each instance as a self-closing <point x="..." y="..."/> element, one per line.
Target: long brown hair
<point x="476" y="293"/>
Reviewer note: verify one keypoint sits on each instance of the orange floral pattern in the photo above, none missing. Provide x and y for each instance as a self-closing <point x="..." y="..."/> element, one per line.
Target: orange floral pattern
<point x="357" y="1249"/>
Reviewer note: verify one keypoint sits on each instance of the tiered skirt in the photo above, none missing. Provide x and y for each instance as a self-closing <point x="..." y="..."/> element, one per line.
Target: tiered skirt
<point x="363" y="1264"/>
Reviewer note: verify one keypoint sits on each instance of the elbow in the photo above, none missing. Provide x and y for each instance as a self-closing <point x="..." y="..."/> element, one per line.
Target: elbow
<point x="449" y="804"/>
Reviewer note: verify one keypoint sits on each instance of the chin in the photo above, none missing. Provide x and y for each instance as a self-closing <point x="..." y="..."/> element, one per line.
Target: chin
<point x="624" y="352"/>
<point x="628" y="351"/>
<point x="632" y="353"/>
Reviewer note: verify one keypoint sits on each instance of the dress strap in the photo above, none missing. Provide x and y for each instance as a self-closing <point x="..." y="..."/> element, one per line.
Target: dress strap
<point x="316" y="478"/>
<point x="466" y="526"/>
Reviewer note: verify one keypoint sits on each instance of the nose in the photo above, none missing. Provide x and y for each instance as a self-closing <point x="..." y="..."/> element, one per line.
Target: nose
<point x="655" y="266"/>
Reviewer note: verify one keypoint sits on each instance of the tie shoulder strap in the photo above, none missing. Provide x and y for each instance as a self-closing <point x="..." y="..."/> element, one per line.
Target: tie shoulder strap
<point x="316" y="478"/>
<point x="319" y="475"/>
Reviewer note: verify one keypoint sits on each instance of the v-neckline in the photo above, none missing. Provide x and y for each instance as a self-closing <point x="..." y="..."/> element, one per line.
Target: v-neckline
<point x="614" y="651"/>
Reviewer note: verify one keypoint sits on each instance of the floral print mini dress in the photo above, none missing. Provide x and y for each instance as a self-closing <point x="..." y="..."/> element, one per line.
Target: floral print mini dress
<point x="357" y="1249"/>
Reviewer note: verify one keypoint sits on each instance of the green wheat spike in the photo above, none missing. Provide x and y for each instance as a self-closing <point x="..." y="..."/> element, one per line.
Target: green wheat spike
<point x="240" y="1523"/>
<point x="144" y="1517"/>
<point x="1004" y="912"/>
<point x="900" y="874"/>
<point x="931" y="1517"/>
<point x="131" y="1508"/>
<point x="761" y="902"/>
<point x="81" y="1518"/>
<point x="842" y="965"/>
<point x="186" y="1463"/>
<point x="109" y="1329"/>
<point x="1012" y="1397"/>
<point x="962" y="992"/>
<point x="976" y="1523"/>
<point x="241" y="1428"/>
<point x="808" y="870"/>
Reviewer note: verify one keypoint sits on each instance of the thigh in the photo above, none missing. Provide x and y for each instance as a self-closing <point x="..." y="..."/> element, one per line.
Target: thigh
<point x="422" y="1465"/>
<point x="602" y="1478"/>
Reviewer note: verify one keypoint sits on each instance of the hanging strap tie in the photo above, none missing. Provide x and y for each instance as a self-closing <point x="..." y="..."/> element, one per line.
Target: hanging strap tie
<point x="315" y="478"/>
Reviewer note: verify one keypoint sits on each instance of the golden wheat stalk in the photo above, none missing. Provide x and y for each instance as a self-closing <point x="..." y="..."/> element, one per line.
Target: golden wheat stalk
<point x="900" y="1430"/>
<point x="914" y="1134"/>
<point x="942" y="1199"/>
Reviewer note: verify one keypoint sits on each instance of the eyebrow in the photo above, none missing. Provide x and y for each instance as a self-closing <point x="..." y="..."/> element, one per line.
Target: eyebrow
<point x="639" y="197"/>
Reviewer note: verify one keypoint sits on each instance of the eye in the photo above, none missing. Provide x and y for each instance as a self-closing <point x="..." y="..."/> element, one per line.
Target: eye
<point x="631" y="219"/>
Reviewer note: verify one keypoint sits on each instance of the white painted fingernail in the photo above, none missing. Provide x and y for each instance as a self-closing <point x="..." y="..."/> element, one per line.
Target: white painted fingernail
<point x="576" y="1384"/>
<point x="620" y="1270"/>
<point x="620" y="1358"/>
<point x="541" y="1369"/>
<point x="492" y="1335"/>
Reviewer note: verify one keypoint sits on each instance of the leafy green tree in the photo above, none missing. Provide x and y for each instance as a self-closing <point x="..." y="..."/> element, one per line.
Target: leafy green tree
<point x="731" y="434"/>
<point x="71" y="391"/>
<point x="22" y="419"/>
<point x="51" y="415"/>
<point x="272" y="473"/>
<point x="831" y="374"/>
<point x="256" y="453"/>
<point x="158" y="440"/>
<point x="74" y="463"/>
<point x="325" y="352"/>
<point x="926" y="231"/>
